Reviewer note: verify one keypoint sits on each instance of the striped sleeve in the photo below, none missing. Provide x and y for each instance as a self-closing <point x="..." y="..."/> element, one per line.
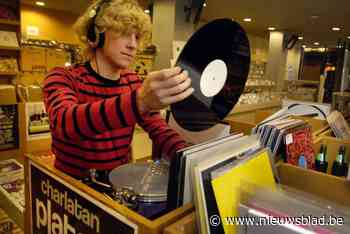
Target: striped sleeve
<point x="70" y="119"/>
<point x="166" y="141"/>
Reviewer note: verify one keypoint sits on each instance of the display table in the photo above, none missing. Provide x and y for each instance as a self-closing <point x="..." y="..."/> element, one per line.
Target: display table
<point x="55" y="200"/>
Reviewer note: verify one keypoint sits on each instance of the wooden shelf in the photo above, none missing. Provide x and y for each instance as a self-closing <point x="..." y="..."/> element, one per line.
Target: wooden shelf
<point x="260" y="86"/>
<point x="252" y="107"/>
<point x="303" y="82"/>
<point x="10" y="48"/>
<point x="8" y="73"/>
<point x="9" y="22"/>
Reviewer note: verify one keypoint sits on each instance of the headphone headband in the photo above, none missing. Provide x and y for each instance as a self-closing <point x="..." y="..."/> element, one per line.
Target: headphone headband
<point x="96" y="38"/>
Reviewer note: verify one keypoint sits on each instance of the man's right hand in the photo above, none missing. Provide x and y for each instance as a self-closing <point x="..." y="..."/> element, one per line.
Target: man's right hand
<point x="162" y="88"/>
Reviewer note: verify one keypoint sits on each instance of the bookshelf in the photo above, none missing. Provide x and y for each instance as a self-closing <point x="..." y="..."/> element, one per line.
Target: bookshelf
<point x="10" y="32"/>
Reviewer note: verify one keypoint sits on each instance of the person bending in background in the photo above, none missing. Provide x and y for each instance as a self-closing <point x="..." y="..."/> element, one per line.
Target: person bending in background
<point x="93" y="107"/>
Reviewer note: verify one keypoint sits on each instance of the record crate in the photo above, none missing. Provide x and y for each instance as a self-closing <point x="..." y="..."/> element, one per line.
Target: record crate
<point x="319" y="127"/>
<point x="41" y="176"/>
<point x="326" y="186"/>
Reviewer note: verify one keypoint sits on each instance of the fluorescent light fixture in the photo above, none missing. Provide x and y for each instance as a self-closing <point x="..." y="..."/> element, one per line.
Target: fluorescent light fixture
<point x="316" y="43"/>
<point x="300" y="38"/>
<point x="40" y="3"/>
<point x="336" y="29"/>
<point x="247" y="19"/>
<point x="271" y="28"/>
<point x="147" y="11"/>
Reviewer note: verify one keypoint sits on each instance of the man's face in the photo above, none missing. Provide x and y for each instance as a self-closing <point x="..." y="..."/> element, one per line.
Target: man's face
<point x="120" y="50"/>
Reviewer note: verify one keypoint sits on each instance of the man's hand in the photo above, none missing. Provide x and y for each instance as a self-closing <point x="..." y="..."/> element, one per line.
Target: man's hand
<point x="162" y="88"/>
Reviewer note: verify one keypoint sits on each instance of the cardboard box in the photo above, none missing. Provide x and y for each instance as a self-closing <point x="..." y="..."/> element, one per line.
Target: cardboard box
<point x="7" y="95"/>
<point x="56" y="58"/>
<point x="33" y="59"/>
<point x="34" y="93"/>
<point x="8" y="39"/>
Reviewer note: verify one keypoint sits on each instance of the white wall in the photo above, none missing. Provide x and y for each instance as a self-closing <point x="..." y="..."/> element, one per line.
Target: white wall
<point x="293" y="62"/>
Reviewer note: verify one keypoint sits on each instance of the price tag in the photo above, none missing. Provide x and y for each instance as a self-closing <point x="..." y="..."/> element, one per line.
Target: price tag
<point x="289" y="139"/>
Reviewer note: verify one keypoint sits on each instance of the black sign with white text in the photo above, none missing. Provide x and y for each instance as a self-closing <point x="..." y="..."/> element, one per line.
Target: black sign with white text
<point x="59" y="208"/>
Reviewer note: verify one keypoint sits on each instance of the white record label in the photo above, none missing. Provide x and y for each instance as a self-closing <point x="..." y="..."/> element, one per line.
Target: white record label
<point x="213" y="78"/>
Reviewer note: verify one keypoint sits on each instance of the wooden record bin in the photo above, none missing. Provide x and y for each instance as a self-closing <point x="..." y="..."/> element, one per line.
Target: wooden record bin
<point x="326" y="186"/>
<point x="48" y="191"/>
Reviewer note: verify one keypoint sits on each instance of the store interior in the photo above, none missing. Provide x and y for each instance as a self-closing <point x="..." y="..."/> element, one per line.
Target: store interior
<point x="299" y="73"/>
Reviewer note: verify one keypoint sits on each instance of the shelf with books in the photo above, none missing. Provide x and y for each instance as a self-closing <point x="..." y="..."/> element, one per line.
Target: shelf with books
<point x="9" y="119"/>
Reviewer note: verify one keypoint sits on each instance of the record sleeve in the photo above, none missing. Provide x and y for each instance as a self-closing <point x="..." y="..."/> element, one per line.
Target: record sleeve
<point x="202" y="192"/>
<point x="180" y="184"/>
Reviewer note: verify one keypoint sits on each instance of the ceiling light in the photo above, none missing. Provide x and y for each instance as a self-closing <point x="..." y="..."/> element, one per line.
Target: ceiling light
<point x="300" y="38"/>
<point x="348" y="37"/>
<point x="314" y="17"/>
<point x="336" y="29"/>
<point x="316" y="43"/>
<point x="40" y="3"/>
<point x="247" y="19"/>
<point x="204" y="4"/>
<point x="271" y="28"/>
<point x="304" y="46"/>
<point x="147" y="11"/>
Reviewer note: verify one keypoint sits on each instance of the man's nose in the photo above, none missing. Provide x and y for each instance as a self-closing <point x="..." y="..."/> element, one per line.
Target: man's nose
<point x="133" y="42"/>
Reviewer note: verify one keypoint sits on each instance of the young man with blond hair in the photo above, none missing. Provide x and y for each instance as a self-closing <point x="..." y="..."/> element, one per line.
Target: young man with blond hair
<point x="93" y="107"/>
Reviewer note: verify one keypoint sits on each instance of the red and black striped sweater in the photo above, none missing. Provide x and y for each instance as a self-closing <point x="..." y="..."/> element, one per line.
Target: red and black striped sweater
<point x="92" y="120"/>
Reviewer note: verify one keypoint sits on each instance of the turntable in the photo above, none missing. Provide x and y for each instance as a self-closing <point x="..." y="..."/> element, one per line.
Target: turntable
<point x="140" y="186"/>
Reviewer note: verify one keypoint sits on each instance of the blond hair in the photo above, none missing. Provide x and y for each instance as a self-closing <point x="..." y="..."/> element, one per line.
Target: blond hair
<point x="121" y="16"/>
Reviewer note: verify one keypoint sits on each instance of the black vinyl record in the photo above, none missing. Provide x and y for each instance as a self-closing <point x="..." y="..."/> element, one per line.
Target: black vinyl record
<point x="217" y="58"/>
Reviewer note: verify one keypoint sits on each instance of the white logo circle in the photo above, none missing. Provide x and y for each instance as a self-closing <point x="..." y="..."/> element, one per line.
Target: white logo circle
<point x="214" y="220"/>
<point x="213" y="78"/>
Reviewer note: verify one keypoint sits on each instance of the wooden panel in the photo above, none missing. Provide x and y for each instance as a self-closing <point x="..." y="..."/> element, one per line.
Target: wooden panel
<point x="329" y="187"/>
<point x="186" y="225"/>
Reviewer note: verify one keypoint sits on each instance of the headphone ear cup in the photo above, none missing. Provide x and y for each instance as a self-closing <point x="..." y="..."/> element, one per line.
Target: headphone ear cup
<point x="92" y="36"/>
<point x="101" y="40"/>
